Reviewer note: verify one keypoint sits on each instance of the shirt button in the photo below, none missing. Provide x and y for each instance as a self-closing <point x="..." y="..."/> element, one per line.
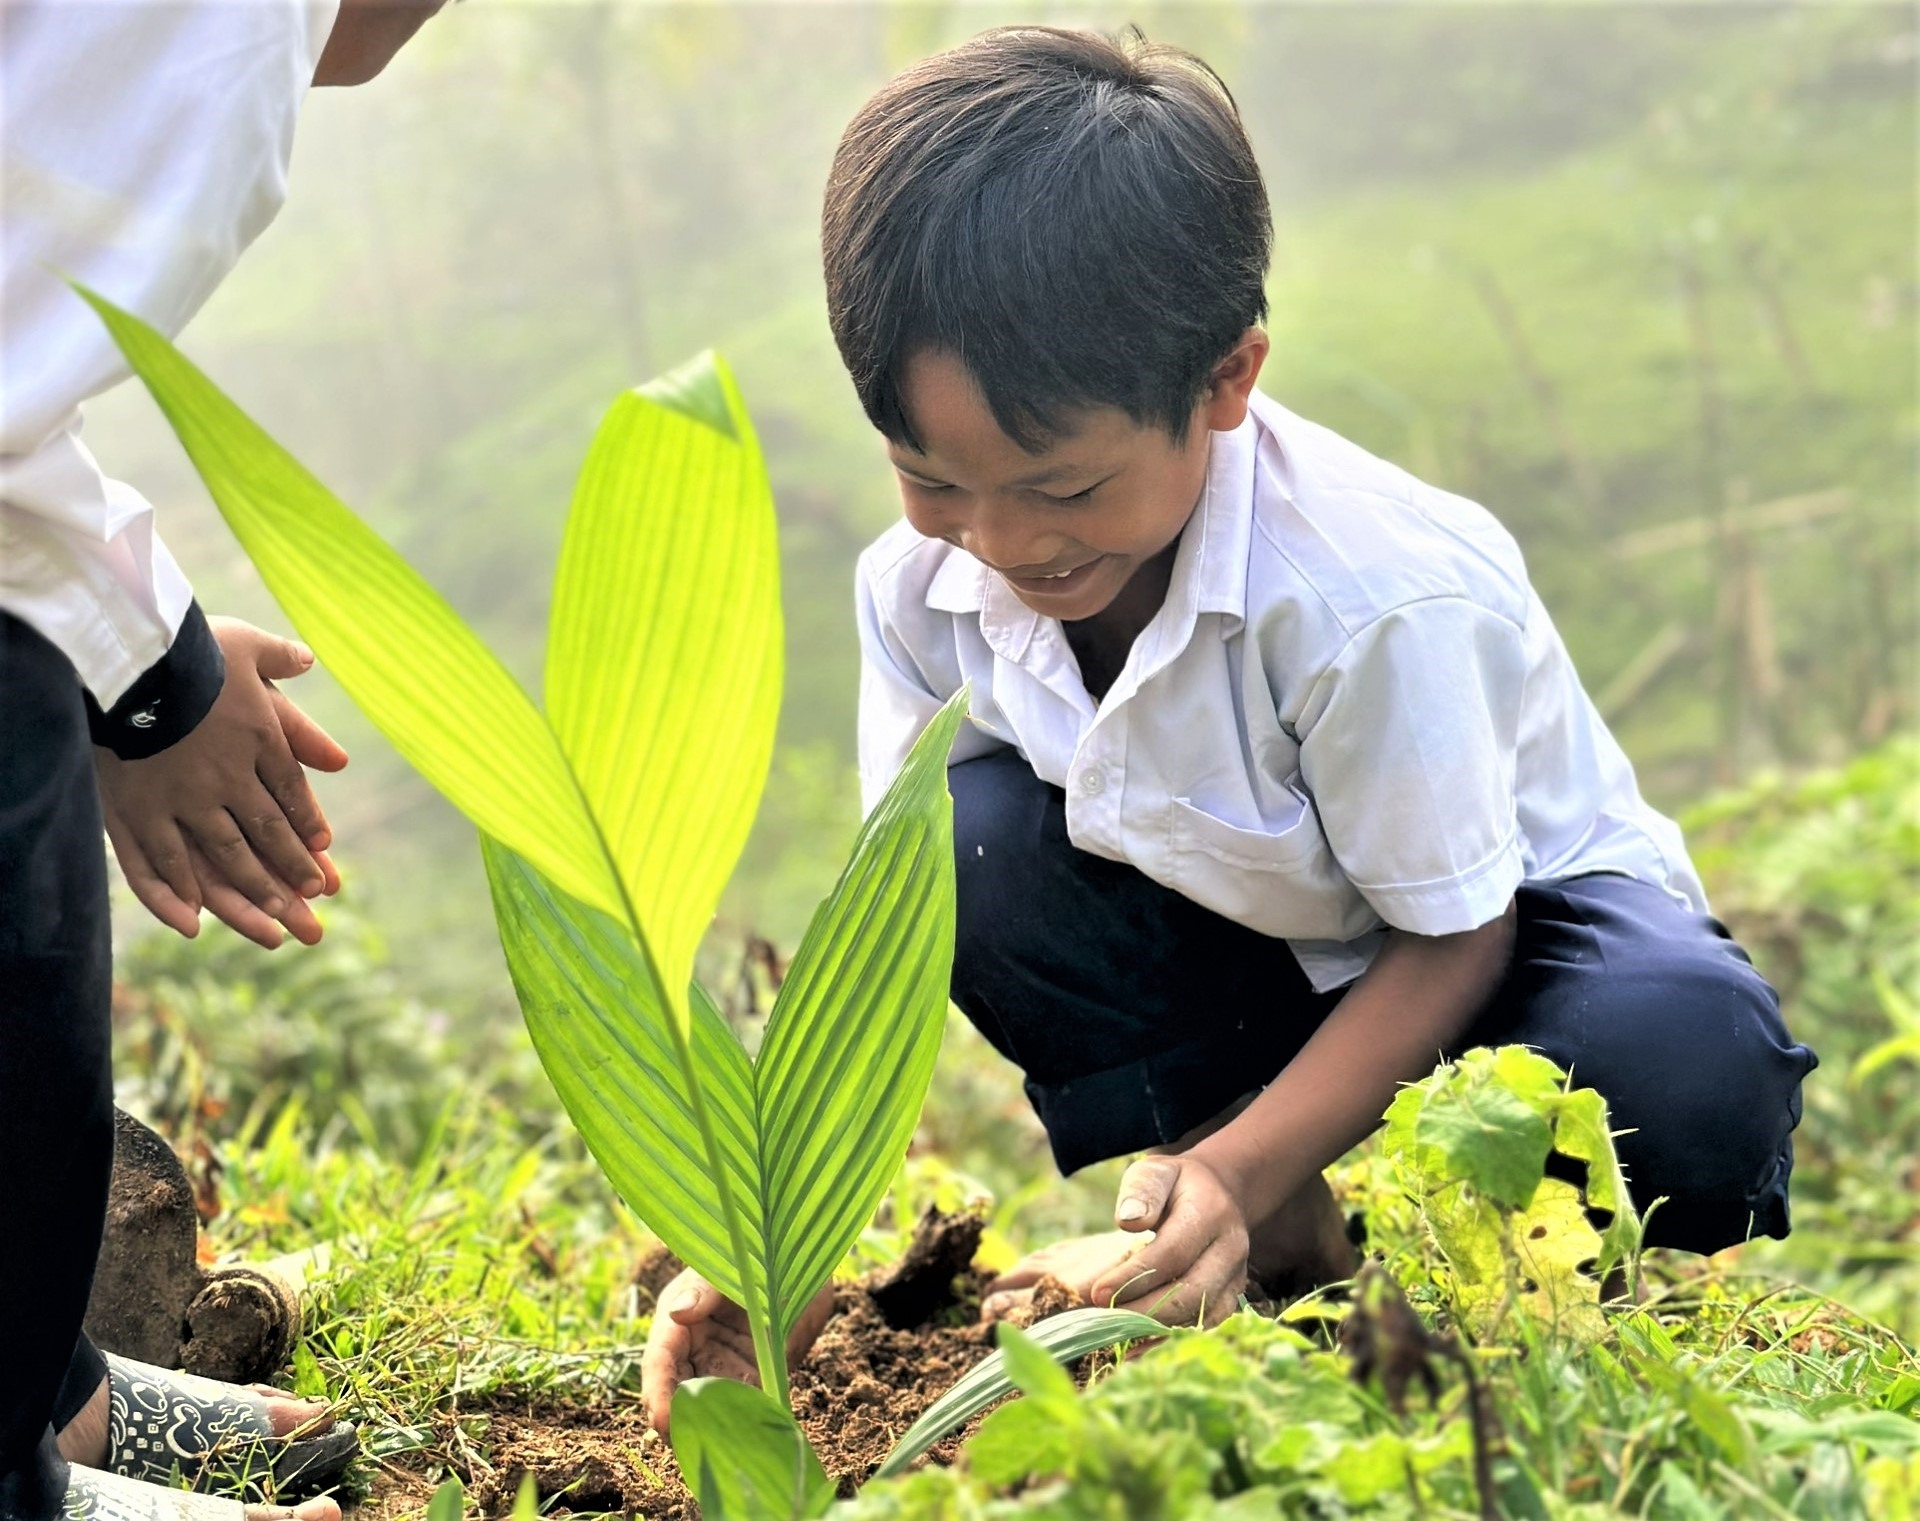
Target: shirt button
<point x="1093" y="782"/>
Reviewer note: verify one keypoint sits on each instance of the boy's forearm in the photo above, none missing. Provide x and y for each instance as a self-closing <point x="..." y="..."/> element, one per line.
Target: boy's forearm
<point x="1419" y="996"/>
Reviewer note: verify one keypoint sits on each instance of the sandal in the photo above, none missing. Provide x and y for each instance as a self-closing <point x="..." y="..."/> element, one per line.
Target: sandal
<point x="217" y="1436"/>
<point x="94" y="1495"/>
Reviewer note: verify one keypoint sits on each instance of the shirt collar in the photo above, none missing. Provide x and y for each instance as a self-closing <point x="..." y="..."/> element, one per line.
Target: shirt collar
<point x="1209" y="569"/>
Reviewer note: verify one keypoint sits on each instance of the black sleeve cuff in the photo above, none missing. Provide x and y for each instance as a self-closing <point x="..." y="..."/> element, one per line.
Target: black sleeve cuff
<point x="170" y="698"/>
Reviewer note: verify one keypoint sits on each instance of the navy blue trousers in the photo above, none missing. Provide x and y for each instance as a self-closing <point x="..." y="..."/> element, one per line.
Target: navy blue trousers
<point x="56" y="1074"/>
<point x="1137" y="1015"/>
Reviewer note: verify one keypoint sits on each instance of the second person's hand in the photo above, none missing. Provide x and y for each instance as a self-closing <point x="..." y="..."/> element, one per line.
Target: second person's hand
<point x="225" y="819"/>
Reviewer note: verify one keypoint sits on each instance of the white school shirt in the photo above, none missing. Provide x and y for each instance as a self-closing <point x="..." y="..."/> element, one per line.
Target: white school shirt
<point x="143" y="146"/>
<point x="1351" y="712"/>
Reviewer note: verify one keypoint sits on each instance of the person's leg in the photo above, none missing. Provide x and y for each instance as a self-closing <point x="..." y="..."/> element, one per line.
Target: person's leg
<point x="1136" y="1014"/>
<point x="56" y="1101"/>
<point x="1658" y="1009"/>
<point x="1141" y="1019"/>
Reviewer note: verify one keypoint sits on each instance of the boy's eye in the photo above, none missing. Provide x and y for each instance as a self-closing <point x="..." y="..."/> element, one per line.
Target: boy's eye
<point x="1078" y="496"/>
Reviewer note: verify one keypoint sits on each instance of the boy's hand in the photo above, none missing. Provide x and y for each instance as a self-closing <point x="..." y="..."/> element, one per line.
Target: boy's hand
<point x="698" y="1332"/>
<point x="225" y="819"/>
<point x="1196" y="1267"/>
<point x="1078" y="1262"/>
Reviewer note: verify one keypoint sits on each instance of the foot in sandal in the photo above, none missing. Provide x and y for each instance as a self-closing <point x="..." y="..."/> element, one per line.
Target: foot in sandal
<point x="148" y="1423"/>
<point x="94" y="1495"/>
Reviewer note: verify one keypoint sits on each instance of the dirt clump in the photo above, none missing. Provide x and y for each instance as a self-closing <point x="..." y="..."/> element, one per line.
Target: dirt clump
<point x="651" y="1275"/>
<point x="898" y="1340"/>
<point x="1050" y="1297"/>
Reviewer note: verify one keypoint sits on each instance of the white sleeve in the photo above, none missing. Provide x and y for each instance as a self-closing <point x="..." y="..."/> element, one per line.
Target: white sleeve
<point x="898" y="698"/>
<point x="143" y="146"/>
<point x="1409" y="747"/>
<point x="895" y="701"/>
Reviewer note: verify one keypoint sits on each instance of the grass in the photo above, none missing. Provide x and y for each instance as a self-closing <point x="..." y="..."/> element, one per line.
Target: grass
<point x="477" y="1257"/>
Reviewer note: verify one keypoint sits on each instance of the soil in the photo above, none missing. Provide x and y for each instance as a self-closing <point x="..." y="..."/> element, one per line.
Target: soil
<point x="898" y="1339"/>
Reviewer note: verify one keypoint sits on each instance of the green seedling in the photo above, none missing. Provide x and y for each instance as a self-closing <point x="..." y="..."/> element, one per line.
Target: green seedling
<point x="610" y="822"/>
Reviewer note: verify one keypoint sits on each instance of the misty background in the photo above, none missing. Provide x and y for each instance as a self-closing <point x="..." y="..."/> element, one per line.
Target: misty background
<point x="1641" y="279"/>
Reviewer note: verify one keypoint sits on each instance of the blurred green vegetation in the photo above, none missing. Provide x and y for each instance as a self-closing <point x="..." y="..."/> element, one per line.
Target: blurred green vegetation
<point x="1820" y="879"/>
<point x="1639" y="278"/>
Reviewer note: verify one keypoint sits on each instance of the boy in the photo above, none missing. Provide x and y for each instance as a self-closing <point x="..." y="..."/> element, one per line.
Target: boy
<point x="1280" y="782"/>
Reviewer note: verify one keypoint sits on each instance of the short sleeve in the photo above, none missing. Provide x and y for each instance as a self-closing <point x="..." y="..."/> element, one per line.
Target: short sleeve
<point x="897" y="700"/>
<point x="1409" y="748"/>
<point x="146" y="145"/>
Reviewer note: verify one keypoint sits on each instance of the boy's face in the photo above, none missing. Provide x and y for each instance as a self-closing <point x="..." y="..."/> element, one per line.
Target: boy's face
<point x="1068" y="527"/>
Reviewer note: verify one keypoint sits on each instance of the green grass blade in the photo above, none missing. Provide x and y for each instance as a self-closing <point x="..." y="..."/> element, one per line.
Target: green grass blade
<point x="743" y="1456"/>
<point x="851" y="1042"/>
<point x="1066" y="1337"/>
<point x="386" y="636"/>
<point x="601" y="1029"/>
<point x="664" y="651"/>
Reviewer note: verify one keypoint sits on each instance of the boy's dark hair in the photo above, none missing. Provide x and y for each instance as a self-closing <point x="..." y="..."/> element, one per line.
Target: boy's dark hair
<point x="1077" y="218"/>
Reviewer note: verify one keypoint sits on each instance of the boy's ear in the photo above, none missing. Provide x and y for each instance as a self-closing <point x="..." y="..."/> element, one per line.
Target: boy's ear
<point x="1230" y="386"/>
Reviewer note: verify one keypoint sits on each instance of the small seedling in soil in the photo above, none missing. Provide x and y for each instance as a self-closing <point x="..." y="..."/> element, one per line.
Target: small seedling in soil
<point x="610" y="822"/>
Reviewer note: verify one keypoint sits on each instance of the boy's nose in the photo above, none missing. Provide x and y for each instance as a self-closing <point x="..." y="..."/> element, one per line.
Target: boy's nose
<point x="1002" y="538"/>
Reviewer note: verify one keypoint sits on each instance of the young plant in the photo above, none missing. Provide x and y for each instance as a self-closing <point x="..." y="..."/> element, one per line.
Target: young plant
<point x="1470" y="1145"/>
<point x="611" y="821"/>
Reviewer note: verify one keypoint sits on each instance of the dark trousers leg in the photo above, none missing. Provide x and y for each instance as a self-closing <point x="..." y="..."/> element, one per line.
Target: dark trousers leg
<point x="56" y="1091"/>
<point x="1657" y="1008"/>
<point x="1137" y="1015"/>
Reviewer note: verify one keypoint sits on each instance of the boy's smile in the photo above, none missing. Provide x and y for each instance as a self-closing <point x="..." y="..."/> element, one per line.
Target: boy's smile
<point x="1067" y="527"/>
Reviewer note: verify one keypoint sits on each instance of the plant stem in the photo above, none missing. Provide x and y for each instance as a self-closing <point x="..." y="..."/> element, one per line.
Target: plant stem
<point x="769" y="1347"/>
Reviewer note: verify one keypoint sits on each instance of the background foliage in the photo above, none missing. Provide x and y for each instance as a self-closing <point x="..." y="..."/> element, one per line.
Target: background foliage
<point x="1639" y="278"/>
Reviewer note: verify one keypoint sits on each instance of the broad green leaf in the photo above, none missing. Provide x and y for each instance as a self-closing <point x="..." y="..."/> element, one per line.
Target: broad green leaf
<point x="1580" y="1129"/>
<point x="664" y="649"/>
<point x="1065" y="1337"/>
<point x="601" y="1029"/>
<point x="1523" y="1071"/>
<point x="526" y="1504"/>
<point x="1488" y="1136"/>
<point x="384" y="634"/>
<point x="851" y="1042"/>
<point x="742" y="1455"/>
<point x="1365" y="1471"/>
<point x="1023" y="1439"/>
<point x="1514" y="1239"/>
<point x="1553" y="1245"/>
<point x="448" y="1502"/>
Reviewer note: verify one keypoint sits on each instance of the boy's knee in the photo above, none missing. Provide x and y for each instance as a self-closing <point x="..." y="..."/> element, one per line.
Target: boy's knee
<point x="1717" y="1097"/>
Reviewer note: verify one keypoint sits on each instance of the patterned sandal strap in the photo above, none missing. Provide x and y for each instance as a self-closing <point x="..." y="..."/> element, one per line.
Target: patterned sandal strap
<point x="214" y="1435"/>
<point x="160" y="1422"/>
<point x="93" y="1495"/>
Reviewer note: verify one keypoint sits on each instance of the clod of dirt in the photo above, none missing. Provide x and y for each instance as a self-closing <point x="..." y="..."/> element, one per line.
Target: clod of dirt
<point x="146" y="1272"/>
<point x="922" y="1282"/>
<point x="897" y="1341"/>
<point x="151" y="1299"/>
<point x="587" y="1460"/>
<point x="651" y="1274"/>
<point x="241" y="1325"/>
<point x="1050" y="1297"/>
